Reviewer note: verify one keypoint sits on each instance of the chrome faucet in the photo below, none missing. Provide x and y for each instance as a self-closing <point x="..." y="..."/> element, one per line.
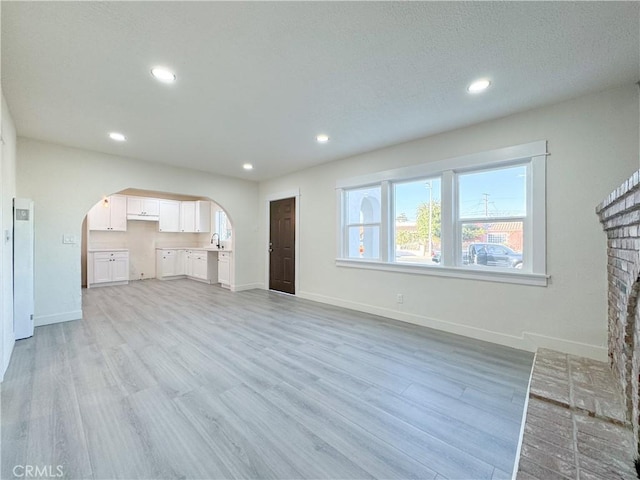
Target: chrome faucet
<point x="218" y="239"/>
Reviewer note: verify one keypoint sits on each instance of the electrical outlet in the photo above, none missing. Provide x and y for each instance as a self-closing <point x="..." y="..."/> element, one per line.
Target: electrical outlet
<point x="399" y="298"/>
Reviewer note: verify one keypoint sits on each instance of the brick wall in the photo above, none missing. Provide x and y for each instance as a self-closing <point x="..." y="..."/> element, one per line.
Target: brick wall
<point x="620" y="217"/>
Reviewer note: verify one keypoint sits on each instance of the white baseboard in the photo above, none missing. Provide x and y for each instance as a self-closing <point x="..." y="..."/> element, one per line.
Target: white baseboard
<point x="465" y="330"/>
<point x="107" y="284"/>
<point x="246" y="286"/>
<point x="528" y="341"/>
<point x="571" y="347"/>
<point x="57" y="318"/>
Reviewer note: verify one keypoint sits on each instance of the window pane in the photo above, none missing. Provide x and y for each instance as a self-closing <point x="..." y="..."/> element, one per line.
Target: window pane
<point x="492" y="244"/>
<point x="364" y="242"/>
<point x="493" y="193"/>
<point x="417" y="221"/>
<point x="363" y="205"/>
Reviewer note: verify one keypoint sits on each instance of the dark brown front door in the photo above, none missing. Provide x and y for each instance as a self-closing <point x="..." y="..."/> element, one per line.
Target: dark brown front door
<point x="282" y="241"/>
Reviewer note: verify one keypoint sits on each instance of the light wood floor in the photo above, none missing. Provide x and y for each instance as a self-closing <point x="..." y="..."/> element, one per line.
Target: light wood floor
<point x="178" y="379"/>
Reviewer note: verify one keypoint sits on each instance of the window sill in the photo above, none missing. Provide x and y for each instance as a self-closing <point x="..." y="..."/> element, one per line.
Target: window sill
<point x="488" y="274"/>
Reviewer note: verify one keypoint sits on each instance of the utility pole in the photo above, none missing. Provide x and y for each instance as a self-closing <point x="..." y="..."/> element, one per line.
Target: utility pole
<point x="486" y="204"/>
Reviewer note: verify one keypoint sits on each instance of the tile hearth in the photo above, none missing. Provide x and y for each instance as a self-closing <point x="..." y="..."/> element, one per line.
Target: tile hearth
<point x="576" y="426"/>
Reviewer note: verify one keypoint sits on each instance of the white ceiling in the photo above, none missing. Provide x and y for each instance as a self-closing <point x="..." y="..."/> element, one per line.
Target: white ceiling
<point x="257" y="81"/>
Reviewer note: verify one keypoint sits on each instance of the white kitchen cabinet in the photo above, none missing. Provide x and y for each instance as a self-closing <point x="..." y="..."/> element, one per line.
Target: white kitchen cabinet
<point x="169" y="263"/>
<point x="143" y="208"/>
<point x="203" y="217"/>
<point x="169" y="216"/>
<point x="181" y="262"/>
<point x="108" y="267"/>
<point x="199" y="269"/>
<point x="197" y="264"/>
<point x="224" y="268"/>
<point x="120" y="268"/>
<point x="188" y="264"/>
<point x="109" y="215"/>
<point x="101" y="268"/>
<point x="195" y="217"/>
<point x="187" y="217"/>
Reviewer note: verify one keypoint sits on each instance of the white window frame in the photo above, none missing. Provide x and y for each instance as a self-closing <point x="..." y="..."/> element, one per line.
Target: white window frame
<point x="347" y="226"/>
<point x="533" y="155"/>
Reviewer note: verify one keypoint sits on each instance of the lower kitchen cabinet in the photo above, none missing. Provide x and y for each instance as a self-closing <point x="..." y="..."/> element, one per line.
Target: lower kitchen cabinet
<point x="196" y="264"/>
<point x="224" y="268"/>
<point x="170" y="263"/>
<point x="107" y="268"/>
<point x="199" y="268"/>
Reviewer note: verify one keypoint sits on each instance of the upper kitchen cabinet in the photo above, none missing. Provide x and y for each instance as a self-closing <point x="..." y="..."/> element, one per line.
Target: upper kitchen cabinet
<point x="109" y="214"/>
<point x="195" y="216"/>
<point x="169" y="215"/>
<point x="203" y="216"/>
<point x="142" y="208"/>
<point x="187" y="216"/>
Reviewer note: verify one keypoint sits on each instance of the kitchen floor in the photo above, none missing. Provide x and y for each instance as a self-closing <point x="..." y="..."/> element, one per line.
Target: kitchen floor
<point x="179" y="379"/>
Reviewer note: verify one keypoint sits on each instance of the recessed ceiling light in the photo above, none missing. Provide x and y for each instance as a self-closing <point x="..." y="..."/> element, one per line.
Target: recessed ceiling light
<point x="163" y="74"/>
<point x="118" y="137"/>
<point x="247" y="166"/>
<point x="322" y="138"/>
<point x="478" y="86"/>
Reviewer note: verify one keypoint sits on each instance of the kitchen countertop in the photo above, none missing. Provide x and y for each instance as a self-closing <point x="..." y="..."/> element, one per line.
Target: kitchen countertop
<point x="204" y="249"/>
<point x="94" y="250"/>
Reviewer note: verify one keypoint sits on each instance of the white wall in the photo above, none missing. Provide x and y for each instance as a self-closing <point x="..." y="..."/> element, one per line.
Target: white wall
<point x="593" y="142"/>
<point x="7" y="192"/>
<point x="66" y="182"/>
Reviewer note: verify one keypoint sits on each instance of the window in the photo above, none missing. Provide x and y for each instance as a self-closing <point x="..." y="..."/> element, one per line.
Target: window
<point x="222" y="226"/>
<point x="478" y="216"/>
<point x="492" y="211"/>
<point x="493" y="237"/>
<point x="417" y="221"/>
<point x="363" y="209"/>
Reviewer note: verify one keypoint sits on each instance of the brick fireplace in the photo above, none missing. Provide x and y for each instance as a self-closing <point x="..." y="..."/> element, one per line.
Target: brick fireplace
<point x="620" y="217"/>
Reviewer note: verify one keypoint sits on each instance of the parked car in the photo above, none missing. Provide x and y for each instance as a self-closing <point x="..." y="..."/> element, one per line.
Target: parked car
<point x="494" y="255"/>
<point x="436" y="257"/>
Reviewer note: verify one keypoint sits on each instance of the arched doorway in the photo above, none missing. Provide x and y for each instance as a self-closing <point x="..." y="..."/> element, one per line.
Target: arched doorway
<point x="140" y="224"/>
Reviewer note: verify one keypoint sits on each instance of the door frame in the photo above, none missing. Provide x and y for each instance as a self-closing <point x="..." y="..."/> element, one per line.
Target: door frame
<point x="295" y="194"/>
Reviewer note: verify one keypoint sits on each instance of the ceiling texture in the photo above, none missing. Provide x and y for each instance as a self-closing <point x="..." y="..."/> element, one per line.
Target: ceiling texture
<point x="257" y="81"/>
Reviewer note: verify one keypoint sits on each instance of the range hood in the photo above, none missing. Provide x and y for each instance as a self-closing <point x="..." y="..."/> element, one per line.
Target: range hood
<point x="148" y="218"/>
